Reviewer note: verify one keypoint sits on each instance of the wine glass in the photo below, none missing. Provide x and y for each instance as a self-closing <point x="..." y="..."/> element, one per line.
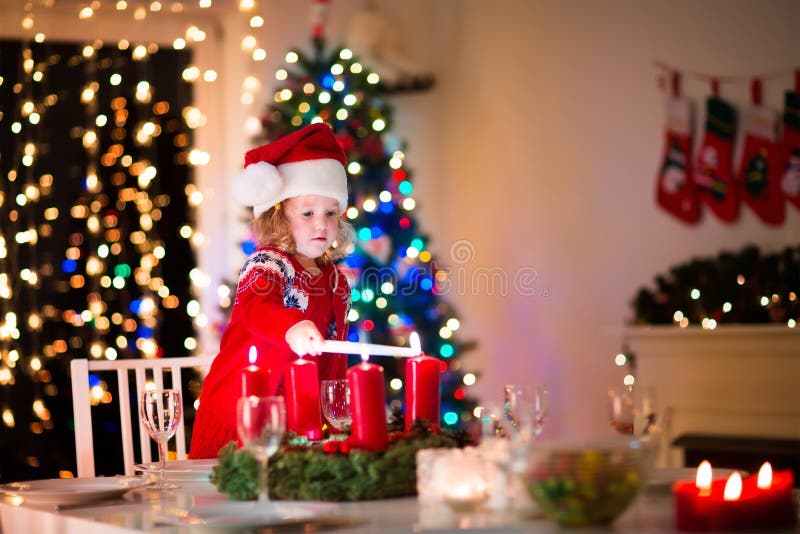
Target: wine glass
<point x="632" y="409"/>
<point x="335" y="399"/>
<point x="526" y="407"/>
<point x="261" y="422"/>
<point x="495" y="443"/>
<point x="494" y="422"/>
<point x="161" y="412"/>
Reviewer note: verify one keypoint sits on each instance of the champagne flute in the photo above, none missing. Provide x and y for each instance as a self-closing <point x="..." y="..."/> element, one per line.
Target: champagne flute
<point x="161" y="412"/>
<point x="632" y="409"/>
<point x="261" y="422"/>
<point x="335" y="398"/>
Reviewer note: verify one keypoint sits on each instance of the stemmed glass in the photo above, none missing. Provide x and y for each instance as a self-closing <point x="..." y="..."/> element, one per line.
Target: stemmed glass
<point x="161" y="412"/>
<point x="508" y="428"/>
<point x="495" y="434"/>
<point x="632" y="409"/>
<point x="335" y="399"/>
<point x="261" y="422"/>
<point x="526" y="407"/>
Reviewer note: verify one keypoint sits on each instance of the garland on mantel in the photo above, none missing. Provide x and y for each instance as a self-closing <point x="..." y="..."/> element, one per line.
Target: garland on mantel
<point x="735" y="287"/>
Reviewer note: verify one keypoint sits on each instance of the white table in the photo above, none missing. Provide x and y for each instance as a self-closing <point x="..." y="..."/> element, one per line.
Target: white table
<point x="138" y="512"/>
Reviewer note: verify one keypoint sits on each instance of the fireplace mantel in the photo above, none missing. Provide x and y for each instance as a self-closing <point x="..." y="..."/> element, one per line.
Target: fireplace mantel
<point x="735" y="380"/>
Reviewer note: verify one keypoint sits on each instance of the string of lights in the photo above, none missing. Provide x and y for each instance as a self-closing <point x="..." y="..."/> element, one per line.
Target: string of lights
<point x="95" y="237"/>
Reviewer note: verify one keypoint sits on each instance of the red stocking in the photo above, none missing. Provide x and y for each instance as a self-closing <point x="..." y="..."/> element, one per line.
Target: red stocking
<point x="758" y="171"/>
<point x="712" y="171"/>
<point x="675" y="190"/>
<point x="789" y="165"/>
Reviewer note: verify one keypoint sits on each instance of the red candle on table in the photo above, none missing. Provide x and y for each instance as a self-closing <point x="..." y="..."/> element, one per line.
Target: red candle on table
<point x="423" y="394"/>
<point x="255" y="379"/>
<point x="368" y="407"/>
<point x="736" y="504"/>
<point x="302" y="399"/>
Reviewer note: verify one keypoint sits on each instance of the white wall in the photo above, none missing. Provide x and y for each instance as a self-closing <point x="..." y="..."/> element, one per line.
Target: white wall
<point x="550" y="139"/>
<point x="535" y="154"/>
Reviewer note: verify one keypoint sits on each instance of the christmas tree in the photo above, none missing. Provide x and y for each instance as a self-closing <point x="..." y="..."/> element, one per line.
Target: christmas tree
<point x="394" y="277"/>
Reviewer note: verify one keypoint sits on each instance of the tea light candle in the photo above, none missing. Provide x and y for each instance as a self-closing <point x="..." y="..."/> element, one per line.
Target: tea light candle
<point x="756" y="502"/>
<point x="465" y="497"/>
<point x="255" y="379"/>
<point x="461" y="477"/>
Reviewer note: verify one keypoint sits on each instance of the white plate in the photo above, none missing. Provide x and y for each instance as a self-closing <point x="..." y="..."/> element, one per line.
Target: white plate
<point x="662" y="479"/>
<point x="241" y="514"/>
<point x="68" y="491"/>
<point x="185" y="470"/>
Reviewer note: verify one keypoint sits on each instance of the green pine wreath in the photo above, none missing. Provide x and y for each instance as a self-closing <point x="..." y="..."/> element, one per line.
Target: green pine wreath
<point x="331" y="471"/>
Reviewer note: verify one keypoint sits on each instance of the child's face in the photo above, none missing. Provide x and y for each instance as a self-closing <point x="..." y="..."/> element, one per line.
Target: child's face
<point x="313" y="223"/>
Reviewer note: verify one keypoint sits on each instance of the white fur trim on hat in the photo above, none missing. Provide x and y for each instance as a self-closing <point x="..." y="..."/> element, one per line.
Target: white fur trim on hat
<point x="325" y="177"/>
<point x="257" y="184"/>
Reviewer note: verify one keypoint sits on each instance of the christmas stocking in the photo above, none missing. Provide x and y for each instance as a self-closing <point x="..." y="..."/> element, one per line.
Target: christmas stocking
<point x="713" y="174"/>
<point x="675" y="190"/>
<point x="789" y="164"/>
<point x="758" y="172"/>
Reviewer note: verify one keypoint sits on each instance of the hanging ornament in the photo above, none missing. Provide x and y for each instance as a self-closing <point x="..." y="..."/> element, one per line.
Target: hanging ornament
<point x="319" y="14"/>
<point x="371" y="148"/>
<point x="379" y="248"/>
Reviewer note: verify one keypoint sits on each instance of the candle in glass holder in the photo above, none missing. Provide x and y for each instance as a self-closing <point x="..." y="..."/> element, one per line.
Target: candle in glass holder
<point x="755" y="502"/>
<point x="303" y="415"/>
<point x="462" y="478"/>
<point x="368" y="406"/>
<point x="255" y="379"/>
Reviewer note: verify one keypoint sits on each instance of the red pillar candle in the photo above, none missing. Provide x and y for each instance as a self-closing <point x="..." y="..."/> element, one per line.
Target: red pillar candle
<point x="368" y="407"/>
<point x="754" y="508"/>
<point x="423" y="394"/>
<point x="255" y="379"/>
<point x="303" y="415"/>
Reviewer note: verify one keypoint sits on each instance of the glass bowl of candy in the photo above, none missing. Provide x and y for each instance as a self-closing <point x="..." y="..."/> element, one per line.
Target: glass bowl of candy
<point x="586" y="483"/>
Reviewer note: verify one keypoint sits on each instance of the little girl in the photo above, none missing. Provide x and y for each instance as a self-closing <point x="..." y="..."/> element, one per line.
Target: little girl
<point x="290" y="296"/>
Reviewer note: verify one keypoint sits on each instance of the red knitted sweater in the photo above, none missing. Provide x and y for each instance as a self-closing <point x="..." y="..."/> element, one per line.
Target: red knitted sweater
<point x="273" y="294"/>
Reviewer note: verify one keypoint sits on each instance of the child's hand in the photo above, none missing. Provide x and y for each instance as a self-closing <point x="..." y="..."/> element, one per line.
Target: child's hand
<point x="304" y="338"/>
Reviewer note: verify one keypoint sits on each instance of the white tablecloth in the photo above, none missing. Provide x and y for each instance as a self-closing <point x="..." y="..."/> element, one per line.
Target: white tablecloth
<point x="140" y="510"/>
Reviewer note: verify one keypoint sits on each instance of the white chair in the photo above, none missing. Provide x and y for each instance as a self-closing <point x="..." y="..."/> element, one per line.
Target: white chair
<point x="143" y="370"/>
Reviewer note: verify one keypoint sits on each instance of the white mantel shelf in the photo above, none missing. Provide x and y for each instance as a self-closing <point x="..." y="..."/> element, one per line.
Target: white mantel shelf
<point x="740" y="340"/>
<point x="725" y="330"/>
<point x="737" y="380"/>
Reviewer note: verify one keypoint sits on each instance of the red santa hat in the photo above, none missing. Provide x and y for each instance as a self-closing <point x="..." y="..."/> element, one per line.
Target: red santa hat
<point x="308" y="161"/>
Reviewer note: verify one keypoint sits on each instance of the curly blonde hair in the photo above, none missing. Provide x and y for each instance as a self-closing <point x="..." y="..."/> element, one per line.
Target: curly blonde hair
<point x="272" y="228"/>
